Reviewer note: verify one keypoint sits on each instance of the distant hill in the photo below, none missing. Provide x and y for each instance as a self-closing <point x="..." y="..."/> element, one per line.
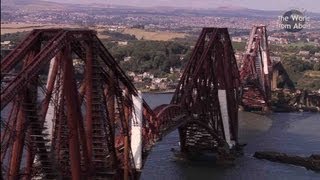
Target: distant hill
<point x="223" y="11"/>
<point x="32" y="5"/>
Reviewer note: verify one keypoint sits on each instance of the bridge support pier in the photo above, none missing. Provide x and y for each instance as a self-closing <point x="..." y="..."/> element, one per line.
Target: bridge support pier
<point x="222" y="95"/>
<point x="136" y="130"/>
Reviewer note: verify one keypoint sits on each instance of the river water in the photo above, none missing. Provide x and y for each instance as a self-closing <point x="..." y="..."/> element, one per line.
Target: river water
<point x="292" y="133"/>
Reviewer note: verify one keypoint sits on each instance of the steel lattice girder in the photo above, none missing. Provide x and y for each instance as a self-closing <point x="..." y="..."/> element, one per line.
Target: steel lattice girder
<point x="212" y="68"/>
<point x="256" y="71"/>
<point x="81" y="147"/>
<point x="97" y="145"/>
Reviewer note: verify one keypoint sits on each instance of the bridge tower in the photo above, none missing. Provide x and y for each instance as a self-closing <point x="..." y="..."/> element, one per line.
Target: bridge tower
<point x="256" y="71"/>
<point x="208" y="92"/>
<point x="66" y="110"/>
<point x="280" y="77"/>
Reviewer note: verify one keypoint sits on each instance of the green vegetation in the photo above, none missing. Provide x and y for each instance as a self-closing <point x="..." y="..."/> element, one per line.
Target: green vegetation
<point x="299" y="72"/>
<point x="296" y="67"/>
<point x="294" y="48"/>
<point x="312" y="49"/>
<point x="156" y="57"/>
<point x="316" y="67"/>
<point x="239" y="46"/>
<point x="15" y="38"/>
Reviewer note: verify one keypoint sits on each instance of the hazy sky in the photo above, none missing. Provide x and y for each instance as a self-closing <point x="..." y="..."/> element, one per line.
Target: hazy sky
<point x="309" y="5"/>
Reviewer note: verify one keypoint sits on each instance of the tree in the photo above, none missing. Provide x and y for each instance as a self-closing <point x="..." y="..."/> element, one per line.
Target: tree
<point x="312" y="49"/>
<point x="316" y="66"/>
<point x="149" y="56"/>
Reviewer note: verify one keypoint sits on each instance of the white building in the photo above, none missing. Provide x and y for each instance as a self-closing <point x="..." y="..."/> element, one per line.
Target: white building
<point x="304" y="53"/>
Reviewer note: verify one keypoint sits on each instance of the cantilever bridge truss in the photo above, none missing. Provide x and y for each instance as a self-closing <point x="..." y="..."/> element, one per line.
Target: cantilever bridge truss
<point x="68" y="111"/>
<point x="208" y="91"/>
<point x="256" y="72"/>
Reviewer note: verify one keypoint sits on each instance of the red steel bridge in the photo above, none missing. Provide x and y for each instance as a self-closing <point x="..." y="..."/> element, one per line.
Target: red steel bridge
<point x="256" y="72"/>
<point x="68" y="111"/>
<point x="261" y="78"/>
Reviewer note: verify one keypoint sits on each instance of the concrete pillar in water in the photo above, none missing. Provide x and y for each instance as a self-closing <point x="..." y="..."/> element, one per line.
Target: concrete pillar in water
<point x="136" y="130"/>
<point x="225" y="116"/>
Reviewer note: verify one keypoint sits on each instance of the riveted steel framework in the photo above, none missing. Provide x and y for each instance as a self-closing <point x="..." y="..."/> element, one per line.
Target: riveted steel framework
<point x="76" y="125"/>
<point x="212" y="67"/>
<point x="256" y="72"/>
<point x="87" y="135"/>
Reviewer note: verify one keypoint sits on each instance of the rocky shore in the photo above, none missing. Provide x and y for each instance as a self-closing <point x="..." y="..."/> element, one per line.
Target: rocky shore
<point x="285" y="100"/>
<point x="312" y="162"/>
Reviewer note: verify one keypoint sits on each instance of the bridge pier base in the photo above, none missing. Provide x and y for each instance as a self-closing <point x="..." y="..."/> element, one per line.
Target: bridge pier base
<point x="266" y="109"/>
<point x="241" y="108"/>
<point x="136" y="130"/>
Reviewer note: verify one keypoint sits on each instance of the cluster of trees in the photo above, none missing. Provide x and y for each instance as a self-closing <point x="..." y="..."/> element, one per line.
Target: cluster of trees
<point x="239" y="46"/>
<point x="311" y="49"/>
<point x="158" y="57"/>
<point x="316" y="66"/>
<point x="294" y="49"/>
<point x="150" y="56"/>
<point x="296" y="69"/>
<point x="15" y="38"/>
